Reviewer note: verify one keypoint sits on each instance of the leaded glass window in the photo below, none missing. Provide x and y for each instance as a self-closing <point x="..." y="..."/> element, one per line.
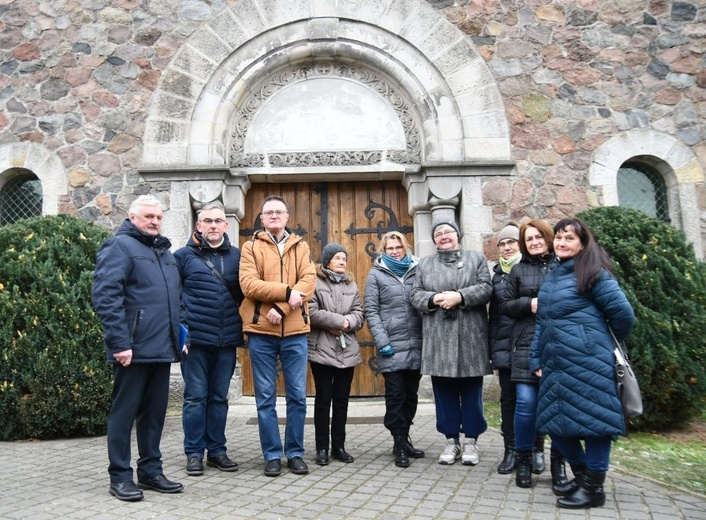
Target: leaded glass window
<point x="20" y="197"/>
<point x="641" y="187"/>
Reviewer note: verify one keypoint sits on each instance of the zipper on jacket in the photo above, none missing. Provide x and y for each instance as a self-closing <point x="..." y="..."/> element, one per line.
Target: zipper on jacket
<point x="135" y="324"/>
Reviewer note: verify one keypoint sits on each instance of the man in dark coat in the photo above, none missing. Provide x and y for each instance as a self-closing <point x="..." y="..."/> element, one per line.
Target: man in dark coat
<point x="136" y="294"/>
<point x="209" y="268"/>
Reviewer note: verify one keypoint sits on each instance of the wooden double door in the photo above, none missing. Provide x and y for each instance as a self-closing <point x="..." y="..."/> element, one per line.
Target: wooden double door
<point x="354" y="214"/>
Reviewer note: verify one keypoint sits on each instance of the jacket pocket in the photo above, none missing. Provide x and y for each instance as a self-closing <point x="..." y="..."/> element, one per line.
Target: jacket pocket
<point x="136" y="326"/>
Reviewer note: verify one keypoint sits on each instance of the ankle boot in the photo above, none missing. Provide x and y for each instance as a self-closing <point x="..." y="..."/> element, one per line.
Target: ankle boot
<point x="509" y="461"/>
<point x="558" y="469"/>
<point x="589" y="494"/>
<point x="523" y="478"/>
<point x="411" y="450"/>
<point x="571" y="486"/>
<point x="538" y="465"/>
<point x="399" y="450"/>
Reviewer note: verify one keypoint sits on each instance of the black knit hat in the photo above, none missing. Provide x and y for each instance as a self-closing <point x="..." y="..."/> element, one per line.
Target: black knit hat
<point x="444" y="223"/>
<point x="330" y="251"/>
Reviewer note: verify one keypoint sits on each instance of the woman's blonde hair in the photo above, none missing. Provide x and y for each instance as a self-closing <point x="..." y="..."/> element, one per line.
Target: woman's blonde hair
<point x="393" y="235"/>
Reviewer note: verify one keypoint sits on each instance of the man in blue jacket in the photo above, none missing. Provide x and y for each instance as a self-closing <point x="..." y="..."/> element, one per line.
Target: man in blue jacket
<point x="209" y="269"/>
<point x="136" y="294"/>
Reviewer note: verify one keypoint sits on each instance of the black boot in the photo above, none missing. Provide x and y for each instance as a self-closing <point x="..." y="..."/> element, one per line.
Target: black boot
<point x="557" y="467"/>
<point x="509" y="461"/>
<point x="399" y="450"/>
<point x="411" y="450"/>
<point x="538" y="465"/>
<point x="571" y="486"/>
<point x="523" y="478"/>
<point x="589" y="494"/>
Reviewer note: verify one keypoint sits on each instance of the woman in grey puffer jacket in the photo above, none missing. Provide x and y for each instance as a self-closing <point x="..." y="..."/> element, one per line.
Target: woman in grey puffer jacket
<point x="336" y="313"/>
<point x="451" y="290"/>
<point x="396" y="328"/>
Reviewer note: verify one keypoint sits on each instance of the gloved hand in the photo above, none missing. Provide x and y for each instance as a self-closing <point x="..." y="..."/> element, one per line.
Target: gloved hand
<point x="386" y="351"/>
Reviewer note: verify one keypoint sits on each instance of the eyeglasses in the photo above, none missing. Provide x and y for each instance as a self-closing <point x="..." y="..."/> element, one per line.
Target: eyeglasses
<point x="270" y="214"/>
<point x="209" y="221"/>
<point x="505" y="243"/>
<point x="440" y="234"/>
<point x="394" y="248"/>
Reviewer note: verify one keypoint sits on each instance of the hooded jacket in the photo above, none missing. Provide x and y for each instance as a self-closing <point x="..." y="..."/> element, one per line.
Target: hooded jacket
<point x="333" y="302"/>
<point x="391" y="318"/>
<point x="210" y="307"/>
<point x="573" y="347"/>
<point x="267" y="279"/>
<point x="136" y="294"/>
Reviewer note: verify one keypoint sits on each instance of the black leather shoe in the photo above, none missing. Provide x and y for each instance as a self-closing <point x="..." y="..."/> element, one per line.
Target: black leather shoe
<point x="342" y="455"/>
<point x="298" y="466"/>
<point x="322" y="457"/>
<point x="223" y="463"/>
<point x="126" y="491"/>
<point x="538" y="465"/>
<point x="194" y="466"/>
<point x="273" y="468"/>
<point x="412" y="451"/>
<point x="160" y="483"/>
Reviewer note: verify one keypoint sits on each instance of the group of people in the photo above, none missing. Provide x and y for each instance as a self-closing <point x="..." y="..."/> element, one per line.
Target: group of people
<point x="552" y="296"/>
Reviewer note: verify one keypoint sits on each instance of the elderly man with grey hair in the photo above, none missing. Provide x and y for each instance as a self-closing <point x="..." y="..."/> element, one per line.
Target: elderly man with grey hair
<point x="136" y="294"/>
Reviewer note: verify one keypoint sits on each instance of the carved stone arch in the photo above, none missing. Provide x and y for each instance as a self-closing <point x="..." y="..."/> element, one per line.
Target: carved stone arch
<point x="433" y="67"/>
<point x="42" y="162"/>
<point x="671" y="158"/>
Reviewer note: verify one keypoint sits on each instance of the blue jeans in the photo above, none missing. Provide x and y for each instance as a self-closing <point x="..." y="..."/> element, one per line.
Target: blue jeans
<point x="207" y="372"/>
<point x="292" y="352"/>
<point x="596" y="455"/>
<point x="525" y="415"/>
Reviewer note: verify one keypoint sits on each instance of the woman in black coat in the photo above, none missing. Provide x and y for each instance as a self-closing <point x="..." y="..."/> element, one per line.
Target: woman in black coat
<point x="520" y="304"/>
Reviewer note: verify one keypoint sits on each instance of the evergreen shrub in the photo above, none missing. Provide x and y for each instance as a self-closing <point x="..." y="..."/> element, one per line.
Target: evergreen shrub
<point x="666" y="285"/>
<point x="54" y="381"/>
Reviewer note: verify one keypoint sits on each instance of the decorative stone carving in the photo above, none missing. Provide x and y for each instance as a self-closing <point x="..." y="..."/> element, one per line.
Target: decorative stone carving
<point x="249" y="108"/>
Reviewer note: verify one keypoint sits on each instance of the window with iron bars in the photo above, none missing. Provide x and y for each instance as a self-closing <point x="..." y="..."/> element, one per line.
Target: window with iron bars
<point x="20" y="197"/>
<point x="642" y="187"/>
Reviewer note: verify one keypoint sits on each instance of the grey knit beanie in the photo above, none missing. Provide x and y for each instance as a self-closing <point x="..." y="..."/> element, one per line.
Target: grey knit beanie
<point x="509" y="231"/>
<point x="330" y="251"/>
<point x="444" y="223"/>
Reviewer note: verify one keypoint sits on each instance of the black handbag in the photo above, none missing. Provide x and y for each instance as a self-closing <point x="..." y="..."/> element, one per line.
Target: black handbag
<point x="628" y="387"/>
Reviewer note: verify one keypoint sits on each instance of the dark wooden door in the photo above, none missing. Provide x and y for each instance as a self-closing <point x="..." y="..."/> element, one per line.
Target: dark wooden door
<point x="353" y="214"/>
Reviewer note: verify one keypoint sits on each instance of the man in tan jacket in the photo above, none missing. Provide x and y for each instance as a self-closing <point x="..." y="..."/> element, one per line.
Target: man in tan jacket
<point x="278" y="277"/>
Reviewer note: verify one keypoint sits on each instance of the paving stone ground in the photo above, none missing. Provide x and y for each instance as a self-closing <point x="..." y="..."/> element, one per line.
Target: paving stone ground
<point x="68" y="479"/>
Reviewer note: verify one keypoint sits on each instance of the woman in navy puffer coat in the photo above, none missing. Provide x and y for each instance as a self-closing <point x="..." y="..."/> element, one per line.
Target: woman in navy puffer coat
<point x="572" y="352"/>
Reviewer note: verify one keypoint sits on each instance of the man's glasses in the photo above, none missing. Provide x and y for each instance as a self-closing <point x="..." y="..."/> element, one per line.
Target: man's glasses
<point x="505" y="243"/>
<point x="440" y="234"/>
<point x="270" y="214"/>
<point x="209" y="221"/>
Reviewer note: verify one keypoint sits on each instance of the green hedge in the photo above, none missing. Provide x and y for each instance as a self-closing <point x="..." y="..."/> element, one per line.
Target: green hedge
<point x="54" y="381"/>
<point x="666" y="285"/>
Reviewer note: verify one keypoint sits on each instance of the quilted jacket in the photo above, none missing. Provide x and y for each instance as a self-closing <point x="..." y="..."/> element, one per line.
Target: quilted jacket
<point x="573" y="347"/>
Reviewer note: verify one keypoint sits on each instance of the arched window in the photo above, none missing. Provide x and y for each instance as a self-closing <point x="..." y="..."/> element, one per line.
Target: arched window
<point x="20" y="197"/>
<point x="642" y="187"/>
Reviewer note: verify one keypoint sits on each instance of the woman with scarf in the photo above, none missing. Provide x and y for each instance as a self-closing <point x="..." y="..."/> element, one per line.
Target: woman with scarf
<point x="451" y="290"/>
<point x="396" y="328"/>
<point x="499" y="332"/>
<point x="336" y="313"/>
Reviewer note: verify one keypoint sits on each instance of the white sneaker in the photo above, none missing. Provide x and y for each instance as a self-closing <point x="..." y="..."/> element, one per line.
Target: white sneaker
<point x="470" y="455"/>
<point x="452" y="452"/>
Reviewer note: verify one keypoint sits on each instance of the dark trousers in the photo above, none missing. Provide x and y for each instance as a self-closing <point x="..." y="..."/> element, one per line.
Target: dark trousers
<point x="401" y="399"/>
<point x="140" y="395"/>
<point x="459" y="406"/>
<point x="508" y="397"/>
<point x="332" y="384"/>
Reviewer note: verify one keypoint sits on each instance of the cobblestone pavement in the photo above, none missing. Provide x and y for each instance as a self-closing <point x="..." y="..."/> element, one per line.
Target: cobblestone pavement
<point x="68" y="479"/>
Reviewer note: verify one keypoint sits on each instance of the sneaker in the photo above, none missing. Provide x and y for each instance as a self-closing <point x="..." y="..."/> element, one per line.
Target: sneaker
<point x="470" y="455"/>
<point x="452" y="452"/>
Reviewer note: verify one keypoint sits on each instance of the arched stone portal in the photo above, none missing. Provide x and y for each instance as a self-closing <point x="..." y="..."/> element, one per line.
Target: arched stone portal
<point x="437" y="88"/>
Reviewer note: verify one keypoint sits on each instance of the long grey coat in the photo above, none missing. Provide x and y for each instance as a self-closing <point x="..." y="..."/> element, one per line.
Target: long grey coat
<point x="332" y="303"/>
<point x="454" y="347"/>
